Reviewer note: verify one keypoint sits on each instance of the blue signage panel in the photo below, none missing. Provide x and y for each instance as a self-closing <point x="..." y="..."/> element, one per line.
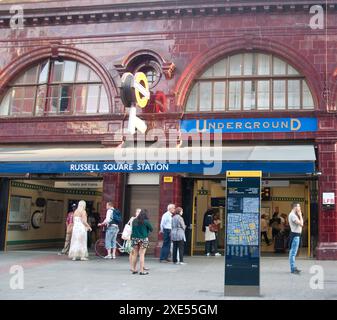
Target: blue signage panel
<point x="242" y="241"/>
<point x="159" y="167"/>
<point x="250" y="125"/>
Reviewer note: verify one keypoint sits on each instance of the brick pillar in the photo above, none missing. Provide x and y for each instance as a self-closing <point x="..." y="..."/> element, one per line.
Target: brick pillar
<point x="170" y="192"/>
<point x="113" y="190"/>
<point x="327" y="235"/>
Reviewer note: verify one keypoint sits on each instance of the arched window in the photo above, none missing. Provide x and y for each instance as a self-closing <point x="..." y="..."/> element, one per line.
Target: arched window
<point x="250" y="82"/>
<point x="55" y="87"/>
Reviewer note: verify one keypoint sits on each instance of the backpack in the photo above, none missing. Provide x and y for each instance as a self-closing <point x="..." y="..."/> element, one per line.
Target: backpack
<point x="116" y="217"/>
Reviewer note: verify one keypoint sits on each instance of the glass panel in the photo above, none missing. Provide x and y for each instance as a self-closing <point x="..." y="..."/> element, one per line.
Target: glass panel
<point x="308" y="101"/>
<point x="29" y="100"/>
<point x="92" y="101"/>
<point x="40" y="100"/>
<point x="54" y="99"/>
<point x="57" y="71"/>
<point x="249" y="102"/>
<point x="279" y="67"/>
<point x="234" y="95"/>
<point x="263" y="95"/>
<point x="192" y="99"/>
<point x="279" y="92"/>
<point x="249" y="64"/>
<point x="294" y="94"/>
<point x="44" y="70"/>
<point x="66" y="98"/>
<point x="208" y="73"/>
<point x="17" y="100"/>
<point x="80" y="98"/>
<point x="205" y="101"/>
<point x="4" y="107"/>
<point x="69" y="71"/>
<point x="235" y="65"/>
<point x="94" y="77"/>
<point x="82" y="73"/>
<point x="219" y="69"/>
<point x="31" y="76"/>
<point x="104" y="103"/>
<point x="219" y="96"/>
<point x="263" y="64"/>
<point x="292" y="71"/>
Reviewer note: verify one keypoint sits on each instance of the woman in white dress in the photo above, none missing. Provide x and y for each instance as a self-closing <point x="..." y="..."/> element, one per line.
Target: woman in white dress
<point x="78" y="245"/>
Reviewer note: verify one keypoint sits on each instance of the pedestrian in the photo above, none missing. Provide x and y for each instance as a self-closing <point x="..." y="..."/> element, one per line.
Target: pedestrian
<point x="141" y="227"/>
<point x="165" y="229"/>
<point x="178" y="236"/>
<point x="78" y="245"/>
<point x="111" y="222"/>
<point x="264" y="229"/>
<point x="69" y="229"/>
<point x="209" y="235"/>
<point x="215" y="227"/>
<point x="296" y="224"/>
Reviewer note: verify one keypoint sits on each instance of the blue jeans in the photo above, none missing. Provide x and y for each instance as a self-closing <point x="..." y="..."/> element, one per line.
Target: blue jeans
<point x="110" y="237"/>
<point x="293" y="252"/>
<point x="165" y="249"/>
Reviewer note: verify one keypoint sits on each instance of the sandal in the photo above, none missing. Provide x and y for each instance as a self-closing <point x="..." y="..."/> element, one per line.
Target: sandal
<point x="143" y="273"/>
<point x="134" y="272"/>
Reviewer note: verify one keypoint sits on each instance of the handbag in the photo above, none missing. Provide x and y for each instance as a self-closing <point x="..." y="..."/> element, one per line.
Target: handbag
<point x="126" y="234"/>
<point x="213" y="227"/>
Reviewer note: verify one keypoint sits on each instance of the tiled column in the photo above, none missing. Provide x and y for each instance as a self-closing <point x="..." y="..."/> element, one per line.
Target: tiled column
<point x="113" y="190"/>
<point x="170" y="192"/>
<point x="327" y="235"/>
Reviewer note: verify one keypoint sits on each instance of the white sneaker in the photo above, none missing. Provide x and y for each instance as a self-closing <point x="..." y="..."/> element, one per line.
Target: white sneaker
<point x="182" y="263"/>
<point x="218" y="254"/>
<point x="74" y="259"/>
<point x="84" y="259"/>
<point x="208" y="254"/>
<point x="109" y="256"/>
<point x="113" y="257"/>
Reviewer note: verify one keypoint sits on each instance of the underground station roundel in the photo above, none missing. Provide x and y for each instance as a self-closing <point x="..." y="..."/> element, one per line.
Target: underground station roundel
<point x="135" y="89"/>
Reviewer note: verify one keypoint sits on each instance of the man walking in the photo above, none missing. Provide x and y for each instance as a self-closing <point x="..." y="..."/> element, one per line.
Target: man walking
<point x="165" y="229"/>
<point x="69" y="226"/>
<point x="296" y="225"/>
<point x="111" y="221"/>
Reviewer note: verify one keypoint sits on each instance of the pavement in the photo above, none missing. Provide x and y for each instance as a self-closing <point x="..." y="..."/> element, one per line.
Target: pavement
<point x="49" y="276"/>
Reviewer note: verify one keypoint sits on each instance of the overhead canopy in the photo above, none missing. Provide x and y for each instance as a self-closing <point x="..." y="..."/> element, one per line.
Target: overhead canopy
<point x="63" y="159"/>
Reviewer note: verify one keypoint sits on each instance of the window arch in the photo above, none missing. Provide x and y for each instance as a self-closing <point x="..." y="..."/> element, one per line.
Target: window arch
<point x="250" y="82"/>
<point x="55" y="87"/>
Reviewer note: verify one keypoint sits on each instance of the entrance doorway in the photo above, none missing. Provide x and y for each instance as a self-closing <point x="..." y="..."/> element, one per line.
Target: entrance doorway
<point x="277" y="195"/>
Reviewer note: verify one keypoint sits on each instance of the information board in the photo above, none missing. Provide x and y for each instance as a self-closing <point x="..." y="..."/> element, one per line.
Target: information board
<point x="242" y="240"/>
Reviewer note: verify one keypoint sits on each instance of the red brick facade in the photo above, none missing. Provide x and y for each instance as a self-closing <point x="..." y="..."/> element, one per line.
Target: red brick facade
<point x="190" y="35"/>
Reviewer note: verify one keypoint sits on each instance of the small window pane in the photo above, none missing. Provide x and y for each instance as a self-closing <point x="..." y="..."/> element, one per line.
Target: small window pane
<point x="57" y="71"/>
<point x="66" y="98"/>
<point x="308" y="101"/>
<point x="44" y="70"/>
<point x="29" y="100"/>
<point x="54" y="100"/>
<point x="219" y="69"/>
<point x="94" y="77"/>
<point x="104" y="103"/>
<point x="69" y="71"/>
<point x="263" y="64"/>
<point x="40" y="100"/>
<point x="279" y="94"/>
<point x="80" y="97"/>
<point x="292" y="71"/>
<point x="17" y="100"/>
<point x="92" y="101"/>
<point x="31" y="76"/>
<point x="234" y="95"/>
<point x="263" y="95"/>
<point x="249" y="64"/>
<point x="249" y="95"/>
<point x="205" y="101"/>
<point x="219" y="96"/>
<point x="280" y="67"/>
<point x="5" y="104"/>
<point x="82" y="73"/>
<point x="235" y="65"/>
<point x="294" y="94"/>
<point x="192" y="99"/>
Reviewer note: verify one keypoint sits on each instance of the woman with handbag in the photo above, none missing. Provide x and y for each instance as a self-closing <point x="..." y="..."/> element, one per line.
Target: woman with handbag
<point x="178" y="236"/>
<point x="215" y="226"/>
<point x="209" y="233"/>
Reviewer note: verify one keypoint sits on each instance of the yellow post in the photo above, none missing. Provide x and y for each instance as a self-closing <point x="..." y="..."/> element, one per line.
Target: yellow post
<point x="309" y="224"/>
<point x="193" y="217"/>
